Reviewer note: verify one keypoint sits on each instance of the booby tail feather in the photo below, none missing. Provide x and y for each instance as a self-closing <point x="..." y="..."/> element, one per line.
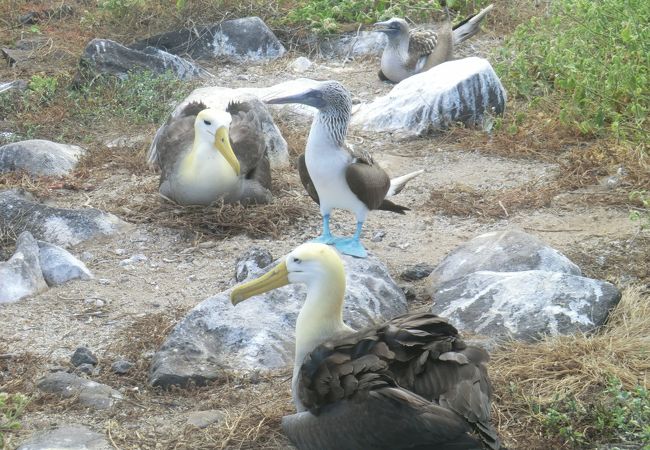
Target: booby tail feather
<point x="397" y="184"/>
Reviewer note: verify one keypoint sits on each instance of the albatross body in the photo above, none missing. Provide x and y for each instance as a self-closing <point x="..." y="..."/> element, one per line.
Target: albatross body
<point x="410" y="383"/>
<point x="409" y="52"/>
<point x="334" y="175"/>
<point x="206" y="155"/>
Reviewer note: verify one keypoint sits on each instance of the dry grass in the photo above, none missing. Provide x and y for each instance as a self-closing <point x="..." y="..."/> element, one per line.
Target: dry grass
<point x="527" y="376"/>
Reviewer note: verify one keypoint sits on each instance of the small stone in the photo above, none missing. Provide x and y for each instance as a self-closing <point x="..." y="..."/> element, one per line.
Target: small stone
<point x="408" y="293"/>
<point x="202" y="419"/>
<point x="416" y="272"/>
<point x="119" y="251"/>
<point x="104" y="281"/>
<point x="83" y="355"/>
<point x="378" y="236"/>
<point x="89" y="393"/>
<point x="133" y="259"/>
<point x="121" y="366"/>
<point x="255" y="258"/>
<point x="301" y="64"/>
<point x="207" y="244"/>
<point x="87" y="256"/>
<point x="86" y="368"/>
<point x="66" y="437"/>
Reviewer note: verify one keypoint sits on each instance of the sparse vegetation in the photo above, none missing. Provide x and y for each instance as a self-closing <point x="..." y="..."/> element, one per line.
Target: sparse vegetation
<point x="11" y="408"/>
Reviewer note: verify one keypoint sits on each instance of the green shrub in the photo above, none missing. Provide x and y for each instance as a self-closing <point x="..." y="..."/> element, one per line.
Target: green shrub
<point x="141" y="98"/>
<point x="327" y="15"/>
<point x="593" y="58"/>
<point x="642" y="214"/>
<point x="615" y="415"/>
<point x="11" y="408"/>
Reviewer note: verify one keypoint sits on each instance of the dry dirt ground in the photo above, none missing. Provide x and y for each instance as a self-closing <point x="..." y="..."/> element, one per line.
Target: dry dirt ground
<point x="128" y="310"/>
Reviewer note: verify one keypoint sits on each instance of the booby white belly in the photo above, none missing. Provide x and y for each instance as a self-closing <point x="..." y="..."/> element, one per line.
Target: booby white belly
<point x="326" y="164"/>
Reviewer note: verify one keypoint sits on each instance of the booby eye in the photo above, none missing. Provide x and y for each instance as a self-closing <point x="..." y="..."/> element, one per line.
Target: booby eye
<point x="207" y="122"/>
<point x="296" y="260"/>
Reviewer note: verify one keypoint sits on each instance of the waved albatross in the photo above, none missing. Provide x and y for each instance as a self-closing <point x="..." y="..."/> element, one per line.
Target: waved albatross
<point x="409" y="52"/>
<point x="409" y="383"/>
<point x="206" y="155"/>
<point x="334" y="175"/>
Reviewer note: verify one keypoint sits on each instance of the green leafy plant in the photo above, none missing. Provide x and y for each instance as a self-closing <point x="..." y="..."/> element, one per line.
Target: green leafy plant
<point x="121" y="8"/>
<point x="328" y="15"/>
<point x="12" y="407"/>
<point x="42" y="88"/>
<point x="641" y="214"/>
<point x="592" y="57"/>
<point x="615" y="414"/>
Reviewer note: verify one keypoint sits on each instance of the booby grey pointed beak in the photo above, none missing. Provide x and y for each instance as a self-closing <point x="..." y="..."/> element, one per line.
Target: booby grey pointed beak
<point x="383" y="27"/>
<point x="312" y="97"/>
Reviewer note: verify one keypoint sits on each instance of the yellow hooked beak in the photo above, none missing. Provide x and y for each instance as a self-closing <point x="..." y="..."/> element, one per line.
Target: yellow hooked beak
<point x="222" y="142"/>
<point x="277" y="277"/>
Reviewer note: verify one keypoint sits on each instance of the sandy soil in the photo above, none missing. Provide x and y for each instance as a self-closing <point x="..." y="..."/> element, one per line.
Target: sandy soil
<point x="119" y="311"/>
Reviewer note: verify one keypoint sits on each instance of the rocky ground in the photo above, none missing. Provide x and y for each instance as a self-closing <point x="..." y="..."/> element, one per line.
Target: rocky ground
<point x="146" y="278"/>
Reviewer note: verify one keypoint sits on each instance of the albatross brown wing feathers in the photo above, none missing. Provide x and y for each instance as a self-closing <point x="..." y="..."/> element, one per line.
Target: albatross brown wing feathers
<point x="418" y="364"/>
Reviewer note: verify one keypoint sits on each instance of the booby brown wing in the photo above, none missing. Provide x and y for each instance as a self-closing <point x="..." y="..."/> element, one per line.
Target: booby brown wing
<point x="422" y="42"/>
<point x="369" y="182"/>
<point x="366" y="179"/>
<point x="175" y="139"/>
<point x="305" y="179"/>
<point x="420" y="353"/>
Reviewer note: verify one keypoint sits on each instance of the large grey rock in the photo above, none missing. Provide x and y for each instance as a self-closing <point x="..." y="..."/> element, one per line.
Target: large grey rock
<point x="106" y="56"/>
<point x="525" y="305"/>
<point x="247" y="38"/>
<point x="218" y="97"/>
<point x="72" y="437"/>
<point x="59" y="266"/>
<point x="21" y="275"/>
<point x="353" y="44"/>
<point x="91" y="394"/>
<point x="259" y="333"/>
<point x="39" y="157"/>
<point x="18" y="85"/>
<point x="464" y="90"/>
<point x="19" y="211"/>
<point x="501" y="251"/>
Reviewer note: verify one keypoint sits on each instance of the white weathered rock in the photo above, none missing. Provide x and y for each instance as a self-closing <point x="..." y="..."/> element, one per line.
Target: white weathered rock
<point x="20" y="211"/>
<point x="501" y="251"/>
<point x="90" y="393"/>
<point x="244" y="39"/>
<point x="39" y="157"/>
<point x="59" y="266"/>
<point x="354" y="44"/>
<point x="259" y="334"/>
<point x="21" y="275"/>
<point x="525" y="305"/>
<point x="463" y="90"/>
<point x="218" y="97"/>
<point x="106" y="56"/>
<point x="72" y="437"/>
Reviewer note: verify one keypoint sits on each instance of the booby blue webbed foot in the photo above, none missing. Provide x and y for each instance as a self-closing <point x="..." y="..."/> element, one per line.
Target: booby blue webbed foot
<point x="326" y="237"/>
<point x="350" y="246"/>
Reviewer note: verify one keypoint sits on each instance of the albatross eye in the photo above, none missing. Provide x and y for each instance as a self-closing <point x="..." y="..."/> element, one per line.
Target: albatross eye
<point x="207" y="122"/>
<point x="296" y="260"/>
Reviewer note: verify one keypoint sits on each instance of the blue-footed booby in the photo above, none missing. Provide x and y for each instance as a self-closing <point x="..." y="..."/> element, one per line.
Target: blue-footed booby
<point x="409" y="52"/>
<point x="334" y="175"/>
<point x="206" y="155"/>
<point x="409" y="383"/>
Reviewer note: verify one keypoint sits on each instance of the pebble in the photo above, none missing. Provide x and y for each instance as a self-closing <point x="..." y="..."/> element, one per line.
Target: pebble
<point x="378" y="236"/>
<point x="301" y="64"/>
<point x="82" y="355"/>
<point x="202" y="419"/>
<point x="133" y="259"/>
<point x="121" y="366"/>
<point x="86" y="368"/>
<point x="416" y="272"/>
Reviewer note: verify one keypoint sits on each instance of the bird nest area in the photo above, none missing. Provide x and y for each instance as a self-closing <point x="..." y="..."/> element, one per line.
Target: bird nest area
<point x="289" y="209"/>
